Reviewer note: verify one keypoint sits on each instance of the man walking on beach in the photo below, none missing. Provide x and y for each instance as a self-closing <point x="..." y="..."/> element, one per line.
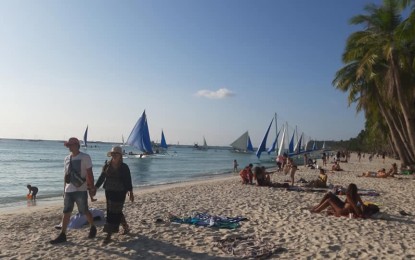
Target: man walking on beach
<point x="79" y="179"/>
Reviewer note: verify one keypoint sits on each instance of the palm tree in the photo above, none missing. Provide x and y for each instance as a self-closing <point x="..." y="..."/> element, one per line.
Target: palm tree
<point x="379" y="67"/>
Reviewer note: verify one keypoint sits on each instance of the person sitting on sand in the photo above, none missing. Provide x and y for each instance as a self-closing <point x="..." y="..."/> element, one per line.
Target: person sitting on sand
<point x="32" y="189"/>
<point x="261" y="176"/>
<point x="321" y="182"/>
<point x="336" y="167"/>
<point x="393" y="170"/>
<point x="353" y="203"/>
<point x="246" y="174"/>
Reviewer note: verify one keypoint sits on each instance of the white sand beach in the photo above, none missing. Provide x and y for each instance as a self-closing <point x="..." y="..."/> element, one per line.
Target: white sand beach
<point x="277" y="219"/>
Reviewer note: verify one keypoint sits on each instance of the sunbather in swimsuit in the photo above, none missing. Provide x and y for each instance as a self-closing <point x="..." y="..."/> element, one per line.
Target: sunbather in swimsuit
<point x="352" y="204"/>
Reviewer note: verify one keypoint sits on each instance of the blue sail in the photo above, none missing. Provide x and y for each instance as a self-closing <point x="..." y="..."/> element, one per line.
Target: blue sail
<point x="262" y="147"/>
<point x="274" y="144"/>
<point x="291" y="145"/>
<point x="249" y="146"/>
<point x="86" y="137"/>
<point x="140" y="136"/>
<point x="163" y="143"/>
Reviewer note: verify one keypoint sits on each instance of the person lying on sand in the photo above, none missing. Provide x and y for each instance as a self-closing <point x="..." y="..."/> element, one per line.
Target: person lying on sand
<point x="382" y="172"/>
<point x="353" y="203"/>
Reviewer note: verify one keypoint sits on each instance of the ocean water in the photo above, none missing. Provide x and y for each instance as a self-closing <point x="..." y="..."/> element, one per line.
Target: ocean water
<point x="40" y="163"/>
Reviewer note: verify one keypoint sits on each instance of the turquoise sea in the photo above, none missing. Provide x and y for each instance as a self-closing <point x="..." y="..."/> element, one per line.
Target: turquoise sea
<point x="40" y="163"/>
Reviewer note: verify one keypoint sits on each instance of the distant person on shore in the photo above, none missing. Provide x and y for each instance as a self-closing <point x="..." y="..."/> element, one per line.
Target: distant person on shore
<point x="292" y="168"/>
<point x="79" y="178"/>
<point x="324" y="158"/>
<point x="280" y="162"/>
<point x="235" y="166"/>
<point x="305" y="160"/>
<point x="246" y="174"/>
<point x="359" y="156"/>
<point x="116" y="177"/>
<point x="32" y="191"/>
<point x="336" y="167"/>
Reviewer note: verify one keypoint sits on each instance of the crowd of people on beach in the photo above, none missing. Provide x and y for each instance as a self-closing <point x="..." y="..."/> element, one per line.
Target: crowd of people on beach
<point x="115" y="177"/>
<point x="352" y="206"/>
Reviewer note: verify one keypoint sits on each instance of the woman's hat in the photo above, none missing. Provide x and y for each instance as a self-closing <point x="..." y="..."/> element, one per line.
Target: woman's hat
<point x="115" y="149"/>
<point x="71" y="141"/>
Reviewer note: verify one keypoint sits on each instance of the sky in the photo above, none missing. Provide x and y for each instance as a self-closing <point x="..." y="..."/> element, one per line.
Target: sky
<point x="199" y="68"/>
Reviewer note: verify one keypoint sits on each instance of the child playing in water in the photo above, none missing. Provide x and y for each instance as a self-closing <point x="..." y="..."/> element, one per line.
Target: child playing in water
<point x="33" y="191"/>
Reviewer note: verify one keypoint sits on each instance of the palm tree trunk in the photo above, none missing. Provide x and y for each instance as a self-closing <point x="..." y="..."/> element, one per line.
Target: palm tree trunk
<point x="407" y="112"/>
<point x="399" y="145"/>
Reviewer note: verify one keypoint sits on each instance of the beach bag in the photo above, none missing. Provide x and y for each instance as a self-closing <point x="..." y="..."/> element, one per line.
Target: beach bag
<point x="74" y="176"/>
<point x="370" y="209"/>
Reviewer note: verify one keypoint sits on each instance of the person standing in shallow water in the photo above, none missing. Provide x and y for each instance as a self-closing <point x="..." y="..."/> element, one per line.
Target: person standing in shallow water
<point x="116" y="177"/>
<point x="235" y="166"/>
<point x="80" y="163"/>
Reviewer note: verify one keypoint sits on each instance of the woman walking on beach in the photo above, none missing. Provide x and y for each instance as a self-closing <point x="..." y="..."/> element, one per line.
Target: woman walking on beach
<point x="116" y="177"/>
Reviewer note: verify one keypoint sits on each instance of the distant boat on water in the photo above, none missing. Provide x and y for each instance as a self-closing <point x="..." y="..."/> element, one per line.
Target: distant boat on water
<point x="242" y="144"/>
<point x="163" y="143"/>
<point x="201" y="148"/>
<point x="140" y="138"/>
<point x="85" y="140"/>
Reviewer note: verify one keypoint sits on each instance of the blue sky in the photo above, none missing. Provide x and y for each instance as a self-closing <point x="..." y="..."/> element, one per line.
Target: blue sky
<point x="199" y="68"/>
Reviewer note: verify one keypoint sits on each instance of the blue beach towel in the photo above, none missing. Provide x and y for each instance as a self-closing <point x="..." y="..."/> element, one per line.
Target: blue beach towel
<point x="206" y="220"/>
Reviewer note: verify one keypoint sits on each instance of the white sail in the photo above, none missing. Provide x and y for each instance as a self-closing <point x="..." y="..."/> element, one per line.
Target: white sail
<point x="241" y="142"/>
<point x="280" y="149"/>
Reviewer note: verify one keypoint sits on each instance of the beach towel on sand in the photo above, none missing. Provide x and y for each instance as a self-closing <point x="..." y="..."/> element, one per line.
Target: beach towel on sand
<point x="78" y="220"/>
<point x="206" y="220"/>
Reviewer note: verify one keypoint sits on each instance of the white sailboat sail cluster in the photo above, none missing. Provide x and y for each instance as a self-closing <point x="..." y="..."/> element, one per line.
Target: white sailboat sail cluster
<point x="295" y="145"/>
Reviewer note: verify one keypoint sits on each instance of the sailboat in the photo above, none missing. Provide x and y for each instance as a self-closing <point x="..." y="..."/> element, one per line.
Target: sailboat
<point x="262" y="146"/>
<point x="242" y="144"/>
<point x="85" y="144"/>
<point x="140" y="137"/>
<point x="163" y="143"/>
<point x="201" y="148"/>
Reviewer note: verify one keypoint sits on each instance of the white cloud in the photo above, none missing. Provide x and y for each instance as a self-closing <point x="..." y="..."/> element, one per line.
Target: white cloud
<point x="218" y="94"/>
